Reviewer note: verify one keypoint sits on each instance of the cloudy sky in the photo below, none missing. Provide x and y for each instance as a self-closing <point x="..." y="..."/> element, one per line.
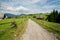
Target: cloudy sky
<point x="29" y="6"/>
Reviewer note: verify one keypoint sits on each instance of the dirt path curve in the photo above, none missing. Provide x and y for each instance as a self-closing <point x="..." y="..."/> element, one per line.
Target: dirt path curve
<point x="36" y="32"/>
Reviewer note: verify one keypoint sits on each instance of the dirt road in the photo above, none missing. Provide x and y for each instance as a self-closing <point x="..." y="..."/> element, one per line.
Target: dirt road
<point x="36" y="32"/>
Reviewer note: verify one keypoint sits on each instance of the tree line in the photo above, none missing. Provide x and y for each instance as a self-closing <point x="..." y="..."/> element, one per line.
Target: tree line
<point x="54" y="16"/>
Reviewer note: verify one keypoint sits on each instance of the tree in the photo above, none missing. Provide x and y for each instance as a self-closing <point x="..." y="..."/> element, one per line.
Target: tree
<point x="58" y="18"/>
<point x="53" y="15"/>
<point x="4" y="16"/>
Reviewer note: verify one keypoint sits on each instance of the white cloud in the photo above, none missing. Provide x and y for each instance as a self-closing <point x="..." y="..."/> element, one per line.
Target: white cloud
<point x="17" y="8"/>
<point x="48" y="7"/>
<point x="21" y="8"/>
<point x="27" y="2"/>
<point x="10" y="8"/>
<point x="28" y="6"/>
<point x="35" y="1"/>
<point x="31" y="1"/>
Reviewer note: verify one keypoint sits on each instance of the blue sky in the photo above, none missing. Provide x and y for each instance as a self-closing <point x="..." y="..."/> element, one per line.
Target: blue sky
<point x="29" y="6"/>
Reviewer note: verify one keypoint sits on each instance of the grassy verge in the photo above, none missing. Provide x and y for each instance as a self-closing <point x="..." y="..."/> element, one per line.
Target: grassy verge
<point x="50" y="26"/>
<point x="12" y="33"/>
<point x="5" y="23"/>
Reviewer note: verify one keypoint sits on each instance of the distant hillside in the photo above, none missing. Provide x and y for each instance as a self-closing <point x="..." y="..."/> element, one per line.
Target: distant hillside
<point x="9" y="14"/>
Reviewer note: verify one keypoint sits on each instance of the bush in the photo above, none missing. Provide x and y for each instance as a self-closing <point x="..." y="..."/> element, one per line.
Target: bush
<point x="34" y="16"/>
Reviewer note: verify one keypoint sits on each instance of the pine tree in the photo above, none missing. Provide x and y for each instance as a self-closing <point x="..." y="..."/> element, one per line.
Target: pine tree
<point x="58" y="18"/>
<point x="52" y="17"/>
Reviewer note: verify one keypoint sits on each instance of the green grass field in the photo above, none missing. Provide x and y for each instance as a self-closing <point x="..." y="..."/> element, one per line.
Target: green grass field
<point x="5" y="23"/>
<point x="12" y="33"/>
<point x="15" y="33"/>
<point x="49" y="26"/>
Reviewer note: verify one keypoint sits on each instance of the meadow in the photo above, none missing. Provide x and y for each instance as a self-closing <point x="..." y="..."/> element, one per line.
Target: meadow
<point x="21" y="22"/>
<point x="52" y="27"/>
<point x="8" y="33"/>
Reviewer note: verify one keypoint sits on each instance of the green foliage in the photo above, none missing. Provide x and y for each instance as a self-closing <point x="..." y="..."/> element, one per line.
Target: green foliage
<point x="5" y="23"/>
<point x="58" y="18"/>
<point x="49" y="26"/>
<point x="34" y="16"/>
<point x="52" y="17"/>
<point x="12" y="33"/>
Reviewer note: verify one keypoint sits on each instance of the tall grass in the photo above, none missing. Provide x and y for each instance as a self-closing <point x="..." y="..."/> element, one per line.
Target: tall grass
<point x="50" y="26"/>
<point x="12" y="33"/>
